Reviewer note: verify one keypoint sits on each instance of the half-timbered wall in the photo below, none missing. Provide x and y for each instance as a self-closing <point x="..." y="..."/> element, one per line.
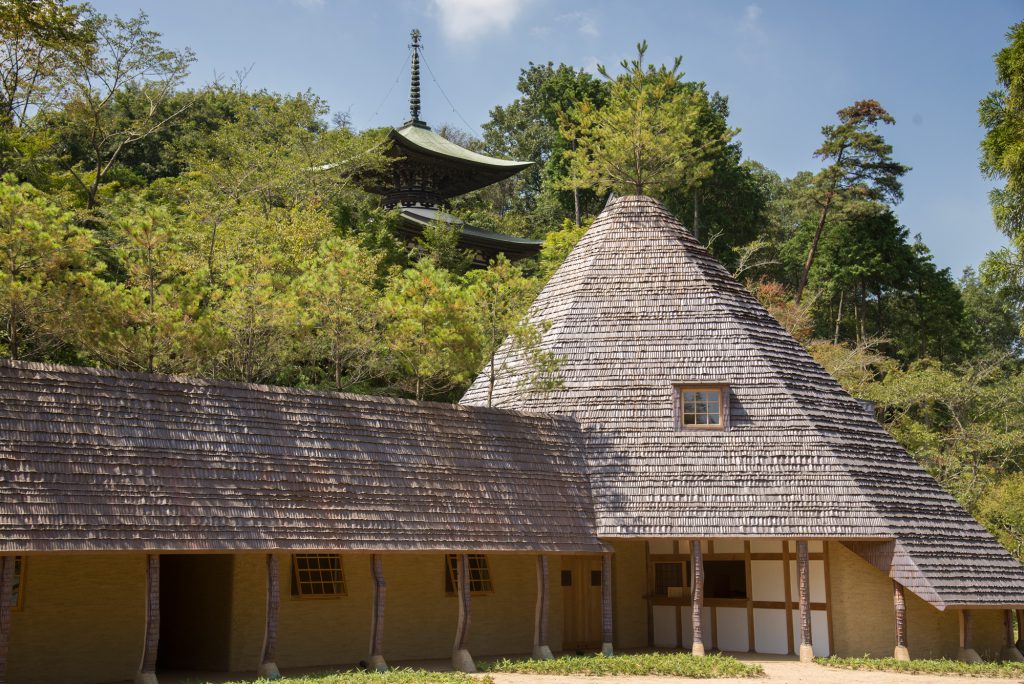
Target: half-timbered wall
<point x="766" y="621"/>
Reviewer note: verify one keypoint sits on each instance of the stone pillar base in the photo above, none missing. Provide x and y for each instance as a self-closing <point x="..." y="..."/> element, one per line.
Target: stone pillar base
<point x="462" y="661"/>
<point x="902" y="653"/>
<point x="542" y="653"/>
<point x="968" y="655"/>
<point x="146" y="678"/>
<point x="607" y="650"/>
<point x="376" y="663"/>
<point x="806" y="653"/>
<point x="698" y="648"/>
<point x="268" y="671"/>
<point x="1012" y="654"/>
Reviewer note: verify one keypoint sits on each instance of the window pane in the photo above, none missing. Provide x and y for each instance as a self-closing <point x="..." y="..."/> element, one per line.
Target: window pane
<point x="667" y="575"/>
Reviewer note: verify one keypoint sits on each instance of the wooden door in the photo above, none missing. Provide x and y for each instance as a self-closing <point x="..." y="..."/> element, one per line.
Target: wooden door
<point x="581" y="603"/>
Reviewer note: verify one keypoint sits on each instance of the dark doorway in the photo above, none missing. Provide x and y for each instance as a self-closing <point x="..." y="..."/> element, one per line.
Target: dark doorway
<point x="195" y="612"/>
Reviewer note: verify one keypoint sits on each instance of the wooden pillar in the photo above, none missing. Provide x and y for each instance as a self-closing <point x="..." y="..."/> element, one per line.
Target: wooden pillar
<point x="697" y="615"/>
<point x="1010" y="650"/>
<point x="606" y="605"/>
<point x="803" y="574"/>
<point x="147" y="668"/>
<point x="6" y="591"/>
<point x="462" y="661"/>
<point x="268" y="659"/>
<point x="377" y="661"/>
<point x="541" y="649"/>
<point x="967" y="653"/>
<point x="899" y="601"/>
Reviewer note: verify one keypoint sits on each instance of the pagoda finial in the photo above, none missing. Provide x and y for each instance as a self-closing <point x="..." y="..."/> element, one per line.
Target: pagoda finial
<point x="414" y="89"/>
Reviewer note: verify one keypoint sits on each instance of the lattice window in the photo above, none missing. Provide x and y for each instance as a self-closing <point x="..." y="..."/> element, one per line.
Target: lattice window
<point x="671" y="579"/>
<point x="18" y="590"/>
<point x="701" y="408"/>
<point x="317" y="575"/>
<point x="479" y="574"/>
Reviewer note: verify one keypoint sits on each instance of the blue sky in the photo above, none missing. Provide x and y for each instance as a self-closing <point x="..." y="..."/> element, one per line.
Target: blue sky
<point x="786" y="67"/>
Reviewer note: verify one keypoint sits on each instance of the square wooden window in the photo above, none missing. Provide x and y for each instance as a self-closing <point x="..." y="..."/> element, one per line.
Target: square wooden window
<point x="17" y="597"/>
<point x="479" y="574"/>
<point x="567" y="578"/>
<point x="317" y="575"/>
<point x="701" y="407"/>
<point x="671" y="579"/>
<point x="725" y="579"/>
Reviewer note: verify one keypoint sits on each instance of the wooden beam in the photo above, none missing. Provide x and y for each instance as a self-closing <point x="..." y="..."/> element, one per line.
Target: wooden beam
<point x="788" y="592"/>
<point x="147" y="668"/>
<point x="697" y="615"/>
<point x="462" y="661"/>
<point x="803" y="575"/>
<point x="376" y="661"/>
<point x="268" y="657"/>
<point x="6" y="591"/>
<point x="541" y="649"/>
<point x="607" y="631"/>
<point x="1010" y="651"/>
<point x="967" y="653"/>
<point x="749" y="570"/>
<point x="899" y="602"/>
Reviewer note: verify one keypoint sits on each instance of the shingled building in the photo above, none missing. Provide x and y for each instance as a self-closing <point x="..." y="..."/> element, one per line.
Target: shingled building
<point x="697" y="482"/>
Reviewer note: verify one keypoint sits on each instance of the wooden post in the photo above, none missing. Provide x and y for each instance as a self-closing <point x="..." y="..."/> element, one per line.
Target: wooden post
<point x="1010" y="650"/>
<point x="803" y="573"/>
<point x="268" y="660"/>
<point x="899" y="601"/>
<point x="147" y="668"/>
<point x="541" y="649"/>
<point x="462" y="661"/>
<point x="697" y="616"/>
<point x="6" y="591"/>
<point x="377" y="661"/>
<point x="967" y="653"/>
<point x="606" y="606"/>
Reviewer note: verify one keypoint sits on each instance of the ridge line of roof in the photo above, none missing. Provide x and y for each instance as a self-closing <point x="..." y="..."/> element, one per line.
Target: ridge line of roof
<point x="279" y="389"/>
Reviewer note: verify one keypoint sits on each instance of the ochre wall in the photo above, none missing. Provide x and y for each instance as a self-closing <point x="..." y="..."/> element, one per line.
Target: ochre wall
<point x="82" y="619"/>
<point x="864" y="624"/>
<point x="419" y="618"/>
<point x="629" y="611"/>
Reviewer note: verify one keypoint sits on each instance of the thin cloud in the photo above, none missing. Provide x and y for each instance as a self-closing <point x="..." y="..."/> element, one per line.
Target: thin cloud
<point x="469" y="20"/>
<point x="585" y="22"/>
<point x="309" y="4"/>
<point x="751" y="19"/>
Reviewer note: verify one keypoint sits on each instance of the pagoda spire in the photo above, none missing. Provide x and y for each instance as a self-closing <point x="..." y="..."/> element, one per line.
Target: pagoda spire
<point x="414" y="88"/>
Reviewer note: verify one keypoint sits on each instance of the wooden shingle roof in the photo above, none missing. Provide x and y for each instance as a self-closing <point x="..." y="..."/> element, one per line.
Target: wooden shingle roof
<point x="639" y="305"/>
<point x="102" y="460"/>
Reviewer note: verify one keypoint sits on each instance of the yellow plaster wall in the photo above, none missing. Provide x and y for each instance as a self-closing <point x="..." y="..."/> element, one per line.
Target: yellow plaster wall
<point x="863" y="619"/>
<point x="629" y="577"/>
<point x="83" y="619"/>
<point x="419" y="619"/>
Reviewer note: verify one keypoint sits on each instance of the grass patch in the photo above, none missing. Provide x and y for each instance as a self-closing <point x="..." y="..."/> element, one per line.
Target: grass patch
<point x="396" y="676"/>
<point x="667" y="664"/>
<point x="932" y="667"/>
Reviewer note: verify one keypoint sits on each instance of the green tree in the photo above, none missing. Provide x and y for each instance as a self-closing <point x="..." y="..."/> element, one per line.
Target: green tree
<point x="146" y="321"/>
<point x="126" y="54"/>
<point x="336" y="294"/>
<point x="428" y="332"/>
<point x="48" y="274"/>
<point x="860" y="166"/>
<point x="1002" y="150"/>
<point x="645" y="139"/>
<point x="499" y="294"/>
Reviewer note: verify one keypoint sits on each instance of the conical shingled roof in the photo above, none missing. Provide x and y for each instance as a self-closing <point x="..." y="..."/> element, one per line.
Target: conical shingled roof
<point x="640" y="305"/>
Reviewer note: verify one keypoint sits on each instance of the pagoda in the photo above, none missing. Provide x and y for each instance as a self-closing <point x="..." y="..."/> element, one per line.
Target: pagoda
<point x="427" y="170"/>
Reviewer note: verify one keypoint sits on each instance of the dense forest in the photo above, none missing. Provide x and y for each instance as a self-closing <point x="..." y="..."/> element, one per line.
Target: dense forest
<point x="219" y="232"/>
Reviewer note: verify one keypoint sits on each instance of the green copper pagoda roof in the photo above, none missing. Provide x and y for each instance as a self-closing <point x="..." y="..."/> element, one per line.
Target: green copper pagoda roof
<point x="422" y="139"/>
